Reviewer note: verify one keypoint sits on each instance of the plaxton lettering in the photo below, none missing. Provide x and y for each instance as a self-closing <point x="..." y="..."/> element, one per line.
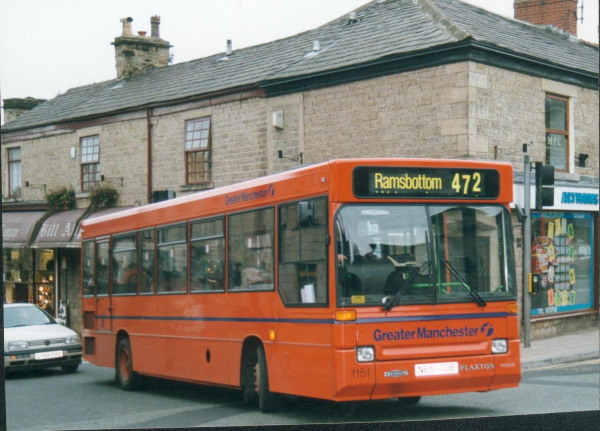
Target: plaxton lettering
<point x="477" y="367"/>
<point x="425" y="333"/>
<point x="406" y="182"/>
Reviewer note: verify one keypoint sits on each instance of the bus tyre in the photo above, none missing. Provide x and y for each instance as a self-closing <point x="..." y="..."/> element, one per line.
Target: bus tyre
<point x="409" y="401"/>
<point x="267" y="401"/>
<point x="125" y="376"/>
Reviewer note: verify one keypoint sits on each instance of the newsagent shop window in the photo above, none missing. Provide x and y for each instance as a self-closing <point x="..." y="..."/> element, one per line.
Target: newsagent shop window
<point x="562" y="252"/>
<point x="557" y="132"/>
<point x="197" y="151"/>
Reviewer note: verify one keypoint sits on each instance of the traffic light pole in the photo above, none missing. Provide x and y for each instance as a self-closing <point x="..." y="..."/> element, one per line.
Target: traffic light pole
<point x="526" y="251"/>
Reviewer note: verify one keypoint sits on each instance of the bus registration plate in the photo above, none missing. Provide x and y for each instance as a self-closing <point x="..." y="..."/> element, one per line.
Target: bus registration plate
<point x="48" y="355"/>
<point x="438" y="369"/>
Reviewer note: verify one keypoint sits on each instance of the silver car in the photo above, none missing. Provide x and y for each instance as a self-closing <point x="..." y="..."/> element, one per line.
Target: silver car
<point x="33" y="340"/>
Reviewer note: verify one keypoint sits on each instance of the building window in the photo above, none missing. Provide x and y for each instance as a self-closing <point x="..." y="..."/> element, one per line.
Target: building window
<point x="90" y="162"/>
<point x="14" y="169"/>
<point x="197" y="151"/>
<point x="557" y="132"/>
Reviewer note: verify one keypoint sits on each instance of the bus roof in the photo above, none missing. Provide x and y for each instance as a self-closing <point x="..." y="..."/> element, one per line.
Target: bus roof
<point x="309" y="180"/>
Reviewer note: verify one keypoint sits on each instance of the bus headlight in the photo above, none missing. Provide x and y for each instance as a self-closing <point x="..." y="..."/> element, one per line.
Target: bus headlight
<point x="499" y="345"/>
<point x="365" y="354"/>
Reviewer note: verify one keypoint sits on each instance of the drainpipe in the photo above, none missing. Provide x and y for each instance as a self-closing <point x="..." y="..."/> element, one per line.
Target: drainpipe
<point x="149" y="132"/>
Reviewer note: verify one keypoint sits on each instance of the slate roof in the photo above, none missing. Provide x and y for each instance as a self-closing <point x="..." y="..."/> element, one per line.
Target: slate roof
<point x="389" y="28"/>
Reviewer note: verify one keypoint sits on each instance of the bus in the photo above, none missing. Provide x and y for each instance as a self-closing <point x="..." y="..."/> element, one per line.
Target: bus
<point x="348" y="280"/>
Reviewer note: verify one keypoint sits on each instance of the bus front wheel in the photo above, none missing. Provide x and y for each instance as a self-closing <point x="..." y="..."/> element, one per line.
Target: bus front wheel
<point x="125" y="376"/>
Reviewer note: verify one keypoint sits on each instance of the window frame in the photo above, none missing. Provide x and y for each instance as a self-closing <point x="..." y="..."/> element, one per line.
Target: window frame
<point x="83" y="164"/>
<point x="12" y="162"/>
<point x="280" y="261"/>
<point x="564" y="133"/>
<point x="206" y="151"/>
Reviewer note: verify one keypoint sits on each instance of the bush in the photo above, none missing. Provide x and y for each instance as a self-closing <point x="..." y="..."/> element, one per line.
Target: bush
<point x="103" y="197"/>
<point x="61" y="200"/>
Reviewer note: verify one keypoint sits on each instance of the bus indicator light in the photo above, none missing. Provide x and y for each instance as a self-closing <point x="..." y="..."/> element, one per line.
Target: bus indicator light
<point x="272" y="335"/>
<point x="345" y="315"/>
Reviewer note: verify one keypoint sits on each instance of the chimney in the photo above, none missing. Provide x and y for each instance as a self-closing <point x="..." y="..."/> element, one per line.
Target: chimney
<point x="558" y="13"/>
<point x="154" y="23"/>
<point x="15" y="107"/>
<point x="134" y="54"/>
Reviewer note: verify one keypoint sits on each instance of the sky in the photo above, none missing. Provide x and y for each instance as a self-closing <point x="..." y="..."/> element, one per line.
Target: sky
<point x="50" y="46"/>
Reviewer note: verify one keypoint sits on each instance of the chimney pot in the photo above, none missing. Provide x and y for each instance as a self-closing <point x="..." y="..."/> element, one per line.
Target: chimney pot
<point x="229" y="46"/>
<point x="154" y="23"/>
<point x="127" y="26"/>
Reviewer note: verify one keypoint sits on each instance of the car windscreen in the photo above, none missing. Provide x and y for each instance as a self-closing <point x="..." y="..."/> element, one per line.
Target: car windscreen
<point x="25" y="316"/>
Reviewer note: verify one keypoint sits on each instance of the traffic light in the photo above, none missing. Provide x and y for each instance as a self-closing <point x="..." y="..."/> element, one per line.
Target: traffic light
<point x="544" y="176"/>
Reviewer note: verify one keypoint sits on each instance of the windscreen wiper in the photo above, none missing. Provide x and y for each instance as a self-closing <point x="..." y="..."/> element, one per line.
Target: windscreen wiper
<point x="478" y="298"/>
<point x="389" y="304"/>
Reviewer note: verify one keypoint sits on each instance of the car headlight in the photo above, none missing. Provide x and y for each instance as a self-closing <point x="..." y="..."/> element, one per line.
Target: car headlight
<point x="72" y="339"/>
<point x="499" y="345"/>
<point x="365" y="354"/>
<point x="17" y="345"/>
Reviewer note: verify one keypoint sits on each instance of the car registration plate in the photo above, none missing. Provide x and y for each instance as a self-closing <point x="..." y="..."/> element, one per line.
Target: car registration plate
<point x="49" y="355"/>
<point x="437" y="369"/>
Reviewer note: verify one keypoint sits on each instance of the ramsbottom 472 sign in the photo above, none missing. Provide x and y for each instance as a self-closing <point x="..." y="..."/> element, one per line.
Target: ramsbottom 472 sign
<point x="423" y="332"/>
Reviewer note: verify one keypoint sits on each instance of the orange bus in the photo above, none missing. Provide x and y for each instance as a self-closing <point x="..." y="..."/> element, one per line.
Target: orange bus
<point x="354" y="279"/>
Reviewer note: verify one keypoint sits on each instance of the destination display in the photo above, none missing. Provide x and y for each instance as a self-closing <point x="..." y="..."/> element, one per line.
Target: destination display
<point x="425" y="183"/>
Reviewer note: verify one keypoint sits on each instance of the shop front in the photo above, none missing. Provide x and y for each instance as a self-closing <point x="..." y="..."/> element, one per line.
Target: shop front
<point x="18" y="269"/>
<point x="564" y="252"/>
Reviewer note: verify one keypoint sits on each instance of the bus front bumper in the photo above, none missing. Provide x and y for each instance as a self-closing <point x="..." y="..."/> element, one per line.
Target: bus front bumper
<point x="411" y="378"/>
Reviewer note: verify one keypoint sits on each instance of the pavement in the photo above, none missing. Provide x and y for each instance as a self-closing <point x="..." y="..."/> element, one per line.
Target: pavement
<point x="573" y="347"/>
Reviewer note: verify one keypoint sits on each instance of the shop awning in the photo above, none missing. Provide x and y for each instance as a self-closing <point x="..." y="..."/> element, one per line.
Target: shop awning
<point x="60" y="230"/>
<point x="18" y="226"/>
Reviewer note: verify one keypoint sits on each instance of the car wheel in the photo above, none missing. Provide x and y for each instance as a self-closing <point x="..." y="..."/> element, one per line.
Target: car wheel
<point x="267" y="401"/>
<point x="125" y="376"/>
<point x="68" y="369"/>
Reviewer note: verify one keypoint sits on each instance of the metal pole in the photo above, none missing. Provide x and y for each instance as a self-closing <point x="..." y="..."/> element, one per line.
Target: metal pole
<point x="526" y="251"/>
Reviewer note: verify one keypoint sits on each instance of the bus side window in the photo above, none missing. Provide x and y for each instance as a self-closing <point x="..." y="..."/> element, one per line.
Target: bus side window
<point x="89" y="265"/>
<point x="102" y="267"/>
<point x="172" y="259"/>
<point x="207" y="256"/>
<point x="125" y="270"/>
<point x="303" y="255"/>
<point x="251" y="250"/>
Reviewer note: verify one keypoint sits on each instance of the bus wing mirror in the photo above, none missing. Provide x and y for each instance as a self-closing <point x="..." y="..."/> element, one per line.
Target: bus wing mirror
<point x="306" y="213"/>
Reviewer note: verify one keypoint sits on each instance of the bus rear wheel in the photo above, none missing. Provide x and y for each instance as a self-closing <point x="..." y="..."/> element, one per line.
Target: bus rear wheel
<point x="125" y="376"/>
<point x="267" y="401"/>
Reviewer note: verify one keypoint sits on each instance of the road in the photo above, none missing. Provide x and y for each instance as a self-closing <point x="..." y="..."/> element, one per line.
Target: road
<point x="90" y="399"/>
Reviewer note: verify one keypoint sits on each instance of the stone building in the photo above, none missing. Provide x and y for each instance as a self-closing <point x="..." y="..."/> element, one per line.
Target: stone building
<point x="395" y="78"/>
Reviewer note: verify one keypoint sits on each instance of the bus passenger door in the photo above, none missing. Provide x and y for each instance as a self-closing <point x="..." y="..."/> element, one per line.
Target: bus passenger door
<point x="103" y="299"/>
